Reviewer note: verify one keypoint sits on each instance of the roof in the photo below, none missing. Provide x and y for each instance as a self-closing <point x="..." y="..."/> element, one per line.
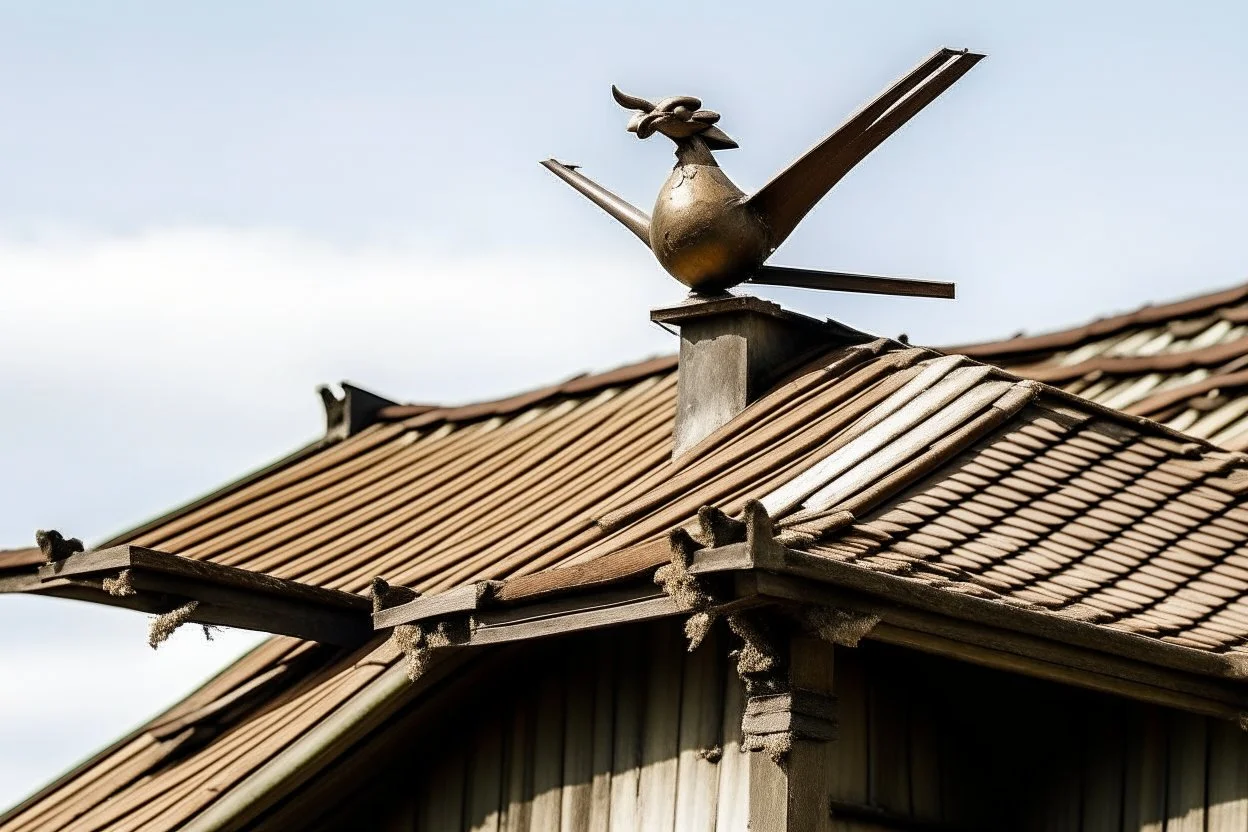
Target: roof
<point x="943" y="481"/>
<point x="433" y="498"/>
<point x="18" y="558"/>
<point x="1182" y="364"/>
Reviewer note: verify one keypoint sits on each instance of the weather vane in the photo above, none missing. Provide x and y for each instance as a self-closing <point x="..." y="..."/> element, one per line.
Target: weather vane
<point x="711" y="236"/>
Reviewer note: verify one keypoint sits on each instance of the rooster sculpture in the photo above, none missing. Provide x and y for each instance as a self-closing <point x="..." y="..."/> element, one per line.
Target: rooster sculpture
<point x="711" y="236"/>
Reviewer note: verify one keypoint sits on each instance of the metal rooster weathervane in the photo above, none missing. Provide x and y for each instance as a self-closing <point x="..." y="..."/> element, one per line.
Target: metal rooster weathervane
<point x="711" y="236"/>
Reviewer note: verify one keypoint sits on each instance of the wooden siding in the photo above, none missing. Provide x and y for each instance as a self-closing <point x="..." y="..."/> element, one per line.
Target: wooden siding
<point x="618" y="731"/>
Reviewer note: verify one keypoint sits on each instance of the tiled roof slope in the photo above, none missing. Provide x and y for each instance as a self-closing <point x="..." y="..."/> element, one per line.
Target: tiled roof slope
<point x="918" y="469"/>
<point x="445" y="496"/>
<point x="1183" y="364"/>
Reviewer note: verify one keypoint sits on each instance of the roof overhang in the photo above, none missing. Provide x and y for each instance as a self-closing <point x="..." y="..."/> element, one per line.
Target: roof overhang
<point x="619" y="589"/>
<point x="159" y="582"/>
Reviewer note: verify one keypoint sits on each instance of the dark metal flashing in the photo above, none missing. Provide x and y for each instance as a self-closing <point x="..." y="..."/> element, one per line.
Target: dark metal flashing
<point x="159" y="582"/>
<point x="351" y="413"/>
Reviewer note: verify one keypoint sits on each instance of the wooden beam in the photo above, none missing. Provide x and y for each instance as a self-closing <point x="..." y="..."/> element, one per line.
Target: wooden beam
<point x="227" y="596"/>
<point x="461" y="599"/>
<point x="921" y="597"/>
<point x="117" y="558"/>
<point x="604" y="609"/>
<point x="1020" y="653"/>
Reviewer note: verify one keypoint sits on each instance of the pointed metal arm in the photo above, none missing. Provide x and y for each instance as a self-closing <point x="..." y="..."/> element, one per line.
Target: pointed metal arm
<point x="786" y="199"/>
<point x="845" y="282"/>
<point x="631" y="217"/>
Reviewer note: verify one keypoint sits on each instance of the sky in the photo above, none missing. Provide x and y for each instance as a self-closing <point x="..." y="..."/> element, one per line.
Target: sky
<point x="206" y="210"/>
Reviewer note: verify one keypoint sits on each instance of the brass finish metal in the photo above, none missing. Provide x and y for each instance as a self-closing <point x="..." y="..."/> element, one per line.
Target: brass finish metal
<point x="711" y="236"/>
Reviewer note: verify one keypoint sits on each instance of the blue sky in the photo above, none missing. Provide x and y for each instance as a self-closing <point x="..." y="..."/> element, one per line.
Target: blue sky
<point x="207" y="209"/>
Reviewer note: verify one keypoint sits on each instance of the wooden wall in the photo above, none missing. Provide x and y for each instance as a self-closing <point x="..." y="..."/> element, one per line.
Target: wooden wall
<point x="616" y="731"/>
<point x="624" y="730"/>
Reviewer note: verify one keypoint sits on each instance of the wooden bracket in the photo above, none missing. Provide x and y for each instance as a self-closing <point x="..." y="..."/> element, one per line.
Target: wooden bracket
<point x="462" y="599"/>
<point x="800" y="713"/>
<point x="759" y="550"/>
<point x="227" y="596"/>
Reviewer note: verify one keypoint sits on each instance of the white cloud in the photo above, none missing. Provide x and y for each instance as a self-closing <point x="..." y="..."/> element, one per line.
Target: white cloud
<point x="183" y="308"/>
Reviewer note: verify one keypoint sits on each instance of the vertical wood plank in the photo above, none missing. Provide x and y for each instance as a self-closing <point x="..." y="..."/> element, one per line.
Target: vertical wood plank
<point x="1062" y="810"/>
<point x="925" y="762"/>
<point x="626" y="759"/>
<point x="810" y="763"/>
<point x="519" y="784"/>
<point x="889" y="755"/>
<point x="848" y="782"/>
<point x="732" y="813"/>
<point x="768" y="794"/>
<point x="482" y="807"/>
<point x="1188" y="750"/>
<point x="442" y="807"/>
<point x="661" y="729"/>
<point x="1103" y="769"/>
<point x="1228" y="777"/>
<point x="1144" y="786"/>
<point x="701" y="715"/>
<point x="604" y="736"/>
<point x="400" y="816"/>
<point x="578" y="742"/>
<point x="548" y="751"/>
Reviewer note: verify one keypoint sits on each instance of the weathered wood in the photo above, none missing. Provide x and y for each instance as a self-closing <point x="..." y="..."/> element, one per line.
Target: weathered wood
<point x="443" y="792"/>
<point x="118" y="558"/>
<point x="1052" y="628"/>
<point x="518" y="786"/>
<point x="1228" y="778"/>
<point x="578" y="743"/>
<point x="1187" y="772"/>
<point x="563" y="617"/>
<point x="461" y="599"/>
<point x="788" y="722"/>
<point x="606" y="570"/>
<point x="483" y="802"/>
<point x="548" y="752"/>
<point x="603" y="736"/>
<point x="768" y="794"/>
<point x="848" y="781"/>
<point x="626" y="758"/>
<point x="796" y="700"/>
<point x="925" y="758"/>
<point x="732" y="809"/>
<point x="810" y="762"/>
<point x="1042" y="669"/>
<point x="660" y="731"/>
<point x="1103" y="770"/>
<point x="889" y="753"/>
<point x="1082" y="666"/>
<point x="1144" y="786"/>
<point x="1060" y="809"/>
<point x="228" y="596"/>
<point x="228" y="606"/>
<point x="701" y="715"/>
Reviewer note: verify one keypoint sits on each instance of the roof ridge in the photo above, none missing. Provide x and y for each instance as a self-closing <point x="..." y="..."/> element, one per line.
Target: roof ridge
<point x="579" y="384"/>
<point x="1159" y="401"/>
<point x="1130" y="364"/>
<point x="1148" y="313"/>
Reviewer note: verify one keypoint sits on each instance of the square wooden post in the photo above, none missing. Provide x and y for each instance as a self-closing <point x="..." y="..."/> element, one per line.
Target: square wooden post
<point x="794" y="795"/>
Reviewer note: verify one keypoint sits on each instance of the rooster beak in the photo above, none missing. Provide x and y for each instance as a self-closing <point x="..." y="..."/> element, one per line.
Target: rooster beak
<point x="717" y="139"/>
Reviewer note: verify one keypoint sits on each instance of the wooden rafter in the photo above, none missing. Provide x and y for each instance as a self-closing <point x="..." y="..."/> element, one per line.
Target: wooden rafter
<point x="159" y="582"/>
